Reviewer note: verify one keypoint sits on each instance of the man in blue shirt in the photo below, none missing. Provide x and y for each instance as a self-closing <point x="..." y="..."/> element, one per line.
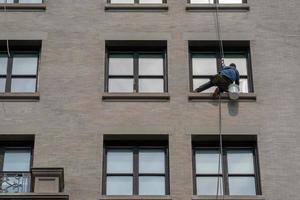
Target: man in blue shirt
<point x="226" y="76"/>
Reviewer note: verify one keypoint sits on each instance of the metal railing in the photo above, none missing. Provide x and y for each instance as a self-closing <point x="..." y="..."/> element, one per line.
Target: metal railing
<point x="15" y="182"/>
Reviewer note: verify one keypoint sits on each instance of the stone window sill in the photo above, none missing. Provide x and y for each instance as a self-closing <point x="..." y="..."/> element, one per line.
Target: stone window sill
<point x="23" y="7"/>
<point x="34" y="196"/>
<point x="222" y="7"/>
<point x="19" y="97"/>
<point x="135" y="97"/>
<point x="227" y="197"/>
<point x="135" y="197"/>
<point x="136" y="7"/>
<point x="208" y="97"/>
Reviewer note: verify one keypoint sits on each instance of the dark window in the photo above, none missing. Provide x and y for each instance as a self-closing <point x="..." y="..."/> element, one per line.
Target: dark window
<point x="18" y="73"/>
<point x="136" y="1"/>
<point x="217" y="1"/>
<point x="136" y="72"/>
<point x="238" y="172"/>
<point x="136" y="170"/>
<point x="21" y="1"/>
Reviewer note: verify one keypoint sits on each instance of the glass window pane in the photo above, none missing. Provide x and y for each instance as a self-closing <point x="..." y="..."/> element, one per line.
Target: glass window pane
<point x="23" y="85"/>
<point x="2" y="84"/>
<point x="17" y="160"/>
<point x="230" y="1"/>
<point x="121" y="1"/>
<point x="6" y="1"/>
<point x="240" y="62"/>
<point x="152" y="185"/>
<point x="3" y="65"/>
<point x="151" y="65"/>
<point x="120" y="85"/>
<point x="30" y="1"/>
<point x="151" y="85"/>
<point x="152" y="161"/>
<point x="151" y="1"/>
<point x="25" y="65"/>
<point x="199" y="81"/>
<point x="118" y="185"/>
<point x="207" y="162"/>
<point x="202" y="1"/>
<point x="119" y="161"/>
<point x="240" y="162"/>
<point x="244" y="85"/>
<point x="204" y="65"/>
<point x="208" y="185"/>
<point x="242" y="186"/>
<point x="121" y="64"/>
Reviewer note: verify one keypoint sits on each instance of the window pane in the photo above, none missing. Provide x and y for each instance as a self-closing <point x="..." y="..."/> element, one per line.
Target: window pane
<point x="151" y="85"/>
<point x="202" y="1"/>
<point x="230" y="1"/>
<point x="204" y="65"/>
<point x="121" y="64"/>
<point x="8" y="1"/>
<point x="208" y="185"/>
<point x="30" y="1"/>
<point x="152" y="161"/>
<point x="122" y="1"/>
<point x="119" y="185"/>
<point x="197" y="82"/>
<point x="3" y="65"/>
<point x="207" y="162"/>
<point x="242" y="186"/>
<point x="23" y="85"/>
<point x="25" y="65"/>
<point x="240" y="162"/>
<point x="2" y="84"/>
<point x="119" y="161"/>
<point x="151" y="65"/>
<point x="120" y="85"/>
<point x="151" y="1"/>
<point x="17" y="160"/>
<point x="241" y="64"/>
<point x="152" y="185"/>
<point x="244" y="85"/>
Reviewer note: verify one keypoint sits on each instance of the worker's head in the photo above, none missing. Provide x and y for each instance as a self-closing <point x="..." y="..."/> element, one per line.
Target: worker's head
<point x="232" y="65"/>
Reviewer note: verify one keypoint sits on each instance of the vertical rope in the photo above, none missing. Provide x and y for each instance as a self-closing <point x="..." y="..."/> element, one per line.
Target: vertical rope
<point x="7" y="42"/>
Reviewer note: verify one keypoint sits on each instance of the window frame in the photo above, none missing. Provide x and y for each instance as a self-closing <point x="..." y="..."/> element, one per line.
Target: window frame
<point x="218" y="64"/>
<point x="137" y="2"/>
<point x="136" y="76"/>
<point x="225" y="174"/>
<point x="216" y="2"/>
<point x="135" y="173"/>
<point x="9" y="69"/>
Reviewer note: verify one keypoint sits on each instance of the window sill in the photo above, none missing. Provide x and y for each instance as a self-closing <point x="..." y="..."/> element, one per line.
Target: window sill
<point x="23" y="7"/>
<point x="134" y="197"/>
<point x="208" y="97"/>
<point x="31" y="196"/>
<point x="136" y="97"/>
<point x="222" y="7"/>
<point x="19" y="97"/>
<point x="226" y="197"/>
<point x="136" y="7"/>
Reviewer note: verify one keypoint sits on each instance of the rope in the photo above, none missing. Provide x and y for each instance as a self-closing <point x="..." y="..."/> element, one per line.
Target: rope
<point x="7" y="42"/>
<point x="219" y="34"/>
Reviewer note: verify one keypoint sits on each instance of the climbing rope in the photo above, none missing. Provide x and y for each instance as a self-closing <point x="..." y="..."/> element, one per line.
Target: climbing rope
<point x="7" y="42"/>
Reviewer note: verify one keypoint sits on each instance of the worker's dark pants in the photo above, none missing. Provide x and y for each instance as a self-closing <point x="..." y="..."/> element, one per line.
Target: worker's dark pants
<point x="218" y="80"/>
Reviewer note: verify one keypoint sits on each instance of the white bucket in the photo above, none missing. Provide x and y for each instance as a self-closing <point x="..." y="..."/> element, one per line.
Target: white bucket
<point x="233" y="90"/>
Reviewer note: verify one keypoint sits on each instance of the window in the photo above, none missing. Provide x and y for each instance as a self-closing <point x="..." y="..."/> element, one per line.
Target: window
<point x="136" y="72"/>
<point x="18" y="73"/>
<point x="21" y="1"/>
<point x="136" y="170"/>
<point x="205" y="62"/>
<point x="238" y="172"/>
<point x="218" y="1"/>
<point x="137" y="1"/>
<point x="15" y="169"/>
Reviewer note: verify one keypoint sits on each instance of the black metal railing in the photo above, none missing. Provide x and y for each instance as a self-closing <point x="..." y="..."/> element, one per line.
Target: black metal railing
<point x="15" y="182"/>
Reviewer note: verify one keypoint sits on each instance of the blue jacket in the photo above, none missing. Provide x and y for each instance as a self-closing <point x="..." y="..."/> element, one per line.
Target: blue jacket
<point x="231" y="73"/>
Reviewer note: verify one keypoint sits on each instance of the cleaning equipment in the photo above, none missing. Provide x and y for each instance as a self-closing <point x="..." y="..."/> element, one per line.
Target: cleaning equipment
<point x="233" y="90"/>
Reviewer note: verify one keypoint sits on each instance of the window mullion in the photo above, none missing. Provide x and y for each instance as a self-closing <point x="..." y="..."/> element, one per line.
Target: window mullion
<point x="9" y="74"/>
<point x="225" y="174"/>
<point x="135" y="171"/>
<point x="136" y="72"/>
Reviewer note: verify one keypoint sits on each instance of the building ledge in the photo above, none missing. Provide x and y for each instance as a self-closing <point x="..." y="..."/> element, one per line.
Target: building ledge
<point x="22" y="7"/>
<point x="222" y="7"/>
<point x="136" y="97"/>
<point x="34" y="196"/>
<point x="135" y="197"/>
<point x="19" y="97"/>
<point x="136" y="7"/>
<point x="228" y="197"/>
<point x="208" y="97"/>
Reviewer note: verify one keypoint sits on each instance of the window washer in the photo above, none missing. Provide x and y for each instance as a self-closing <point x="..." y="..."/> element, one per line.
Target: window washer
<point x="222" y="80"/>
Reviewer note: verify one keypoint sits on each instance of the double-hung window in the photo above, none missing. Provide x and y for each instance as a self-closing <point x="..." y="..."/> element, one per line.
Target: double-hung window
<point x="136" y="1"/>
<point x="136" y="170"/>
<point x="18" y="72"/>
<point x="22" y="1"/>
<point x="136" y="72"/>
<point x="217" y="1"/>
<point x="238" y="172"/>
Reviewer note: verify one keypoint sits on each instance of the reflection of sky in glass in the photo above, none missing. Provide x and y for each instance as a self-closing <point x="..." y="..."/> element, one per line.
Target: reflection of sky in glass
<point x="17" y="160"/>
<point x="242" y="186"/>
<point x="121" y="64"/>
<point x="152" y="185"/>
<point x="23" y="85"/>
<point x="151" y="161"/>
<point x="208" y="185"/>
<point x="207" y="162"/>
<point x="240" y="162"/>
<point x="119" y="161"/>
<point x="119" y="185"/>
<point x="151" y="85"/>
<point x="120" y="85"/>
